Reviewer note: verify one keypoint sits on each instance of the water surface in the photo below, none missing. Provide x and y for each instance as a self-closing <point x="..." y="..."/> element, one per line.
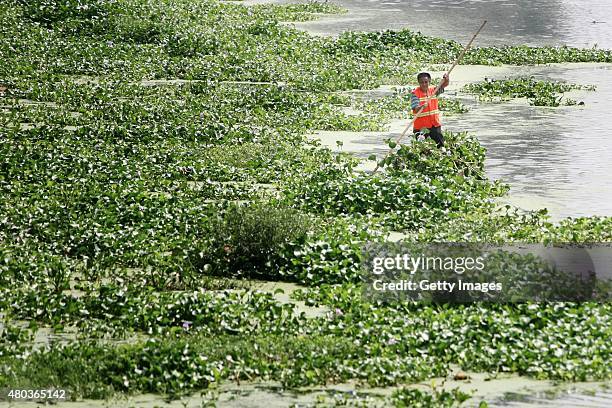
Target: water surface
<point x="559" y="158"/>
<point x="510" y="22"/>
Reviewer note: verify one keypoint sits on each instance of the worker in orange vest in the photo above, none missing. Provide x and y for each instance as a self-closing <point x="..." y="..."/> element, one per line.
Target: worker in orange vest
<point x="429" y="118"/>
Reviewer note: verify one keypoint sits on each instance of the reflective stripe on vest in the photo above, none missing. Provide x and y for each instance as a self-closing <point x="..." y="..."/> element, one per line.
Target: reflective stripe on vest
<point x="428" y="113"/>
<point x="430" y="116"/>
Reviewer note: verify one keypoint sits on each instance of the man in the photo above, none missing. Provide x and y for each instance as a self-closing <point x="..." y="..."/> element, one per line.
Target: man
<point x="429" y="118"/>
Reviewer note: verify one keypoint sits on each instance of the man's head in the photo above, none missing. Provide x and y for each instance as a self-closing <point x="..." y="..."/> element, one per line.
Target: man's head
<point x="424" y="79"/>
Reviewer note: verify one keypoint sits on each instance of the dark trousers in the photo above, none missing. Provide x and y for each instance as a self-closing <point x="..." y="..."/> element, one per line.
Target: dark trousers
<point x="435" y="133"/>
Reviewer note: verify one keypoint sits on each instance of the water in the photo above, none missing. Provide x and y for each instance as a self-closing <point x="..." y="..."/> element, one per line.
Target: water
<point x="542" y="22"/>
<point x="558" y="158"/>
<point x="273" y="395"/>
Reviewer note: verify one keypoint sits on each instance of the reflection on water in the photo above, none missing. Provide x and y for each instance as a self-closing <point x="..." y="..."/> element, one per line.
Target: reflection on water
<point x="551" y="22"/>
<point x="559" y="158"/>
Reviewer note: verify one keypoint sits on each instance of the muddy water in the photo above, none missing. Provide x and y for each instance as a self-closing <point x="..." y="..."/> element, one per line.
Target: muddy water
<point x="557" y="158"/>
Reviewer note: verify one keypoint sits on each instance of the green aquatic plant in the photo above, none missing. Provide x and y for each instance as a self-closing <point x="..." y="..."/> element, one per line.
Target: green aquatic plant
<point x="421" y="184"/>
<point x="379" y="345"/>
<point x="144" y="140"/>
<point x="51" y="12"/>
<point x="538" y="92"/>
<point x="414" y="45"/>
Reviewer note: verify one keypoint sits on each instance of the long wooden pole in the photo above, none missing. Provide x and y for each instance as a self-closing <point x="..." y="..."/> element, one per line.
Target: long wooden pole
<point x="416" y="115"/>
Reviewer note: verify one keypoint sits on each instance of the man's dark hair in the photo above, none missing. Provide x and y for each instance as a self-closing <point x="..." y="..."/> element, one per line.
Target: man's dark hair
<point x="423" y="74"/>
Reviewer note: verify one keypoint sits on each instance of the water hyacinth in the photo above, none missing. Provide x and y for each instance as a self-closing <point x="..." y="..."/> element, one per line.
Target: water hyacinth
<point x="155" y="170"/>
<point x="539" y="93"/>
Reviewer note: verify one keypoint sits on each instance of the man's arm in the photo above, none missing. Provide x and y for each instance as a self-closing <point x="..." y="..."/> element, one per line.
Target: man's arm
<point x="443" y="84"/>
<point x="414" y="102"/>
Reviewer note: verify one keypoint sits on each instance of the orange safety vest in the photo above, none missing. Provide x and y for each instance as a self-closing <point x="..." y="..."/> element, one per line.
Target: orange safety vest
<point x="430" y="115"/>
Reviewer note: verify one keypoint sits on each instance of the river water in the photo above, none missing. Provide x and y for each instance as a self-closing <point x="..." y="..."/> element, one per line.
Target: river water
<point x="558" y="158"/>
<point x="510" y="22"/>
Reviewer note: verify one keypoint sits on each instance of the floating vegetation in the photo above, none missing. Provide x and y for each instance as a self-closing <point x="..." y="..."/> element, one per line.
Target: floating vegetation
<point x="538" y="92"/>
<point x="414" y="45"/>
<point x="154" y="155"/>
